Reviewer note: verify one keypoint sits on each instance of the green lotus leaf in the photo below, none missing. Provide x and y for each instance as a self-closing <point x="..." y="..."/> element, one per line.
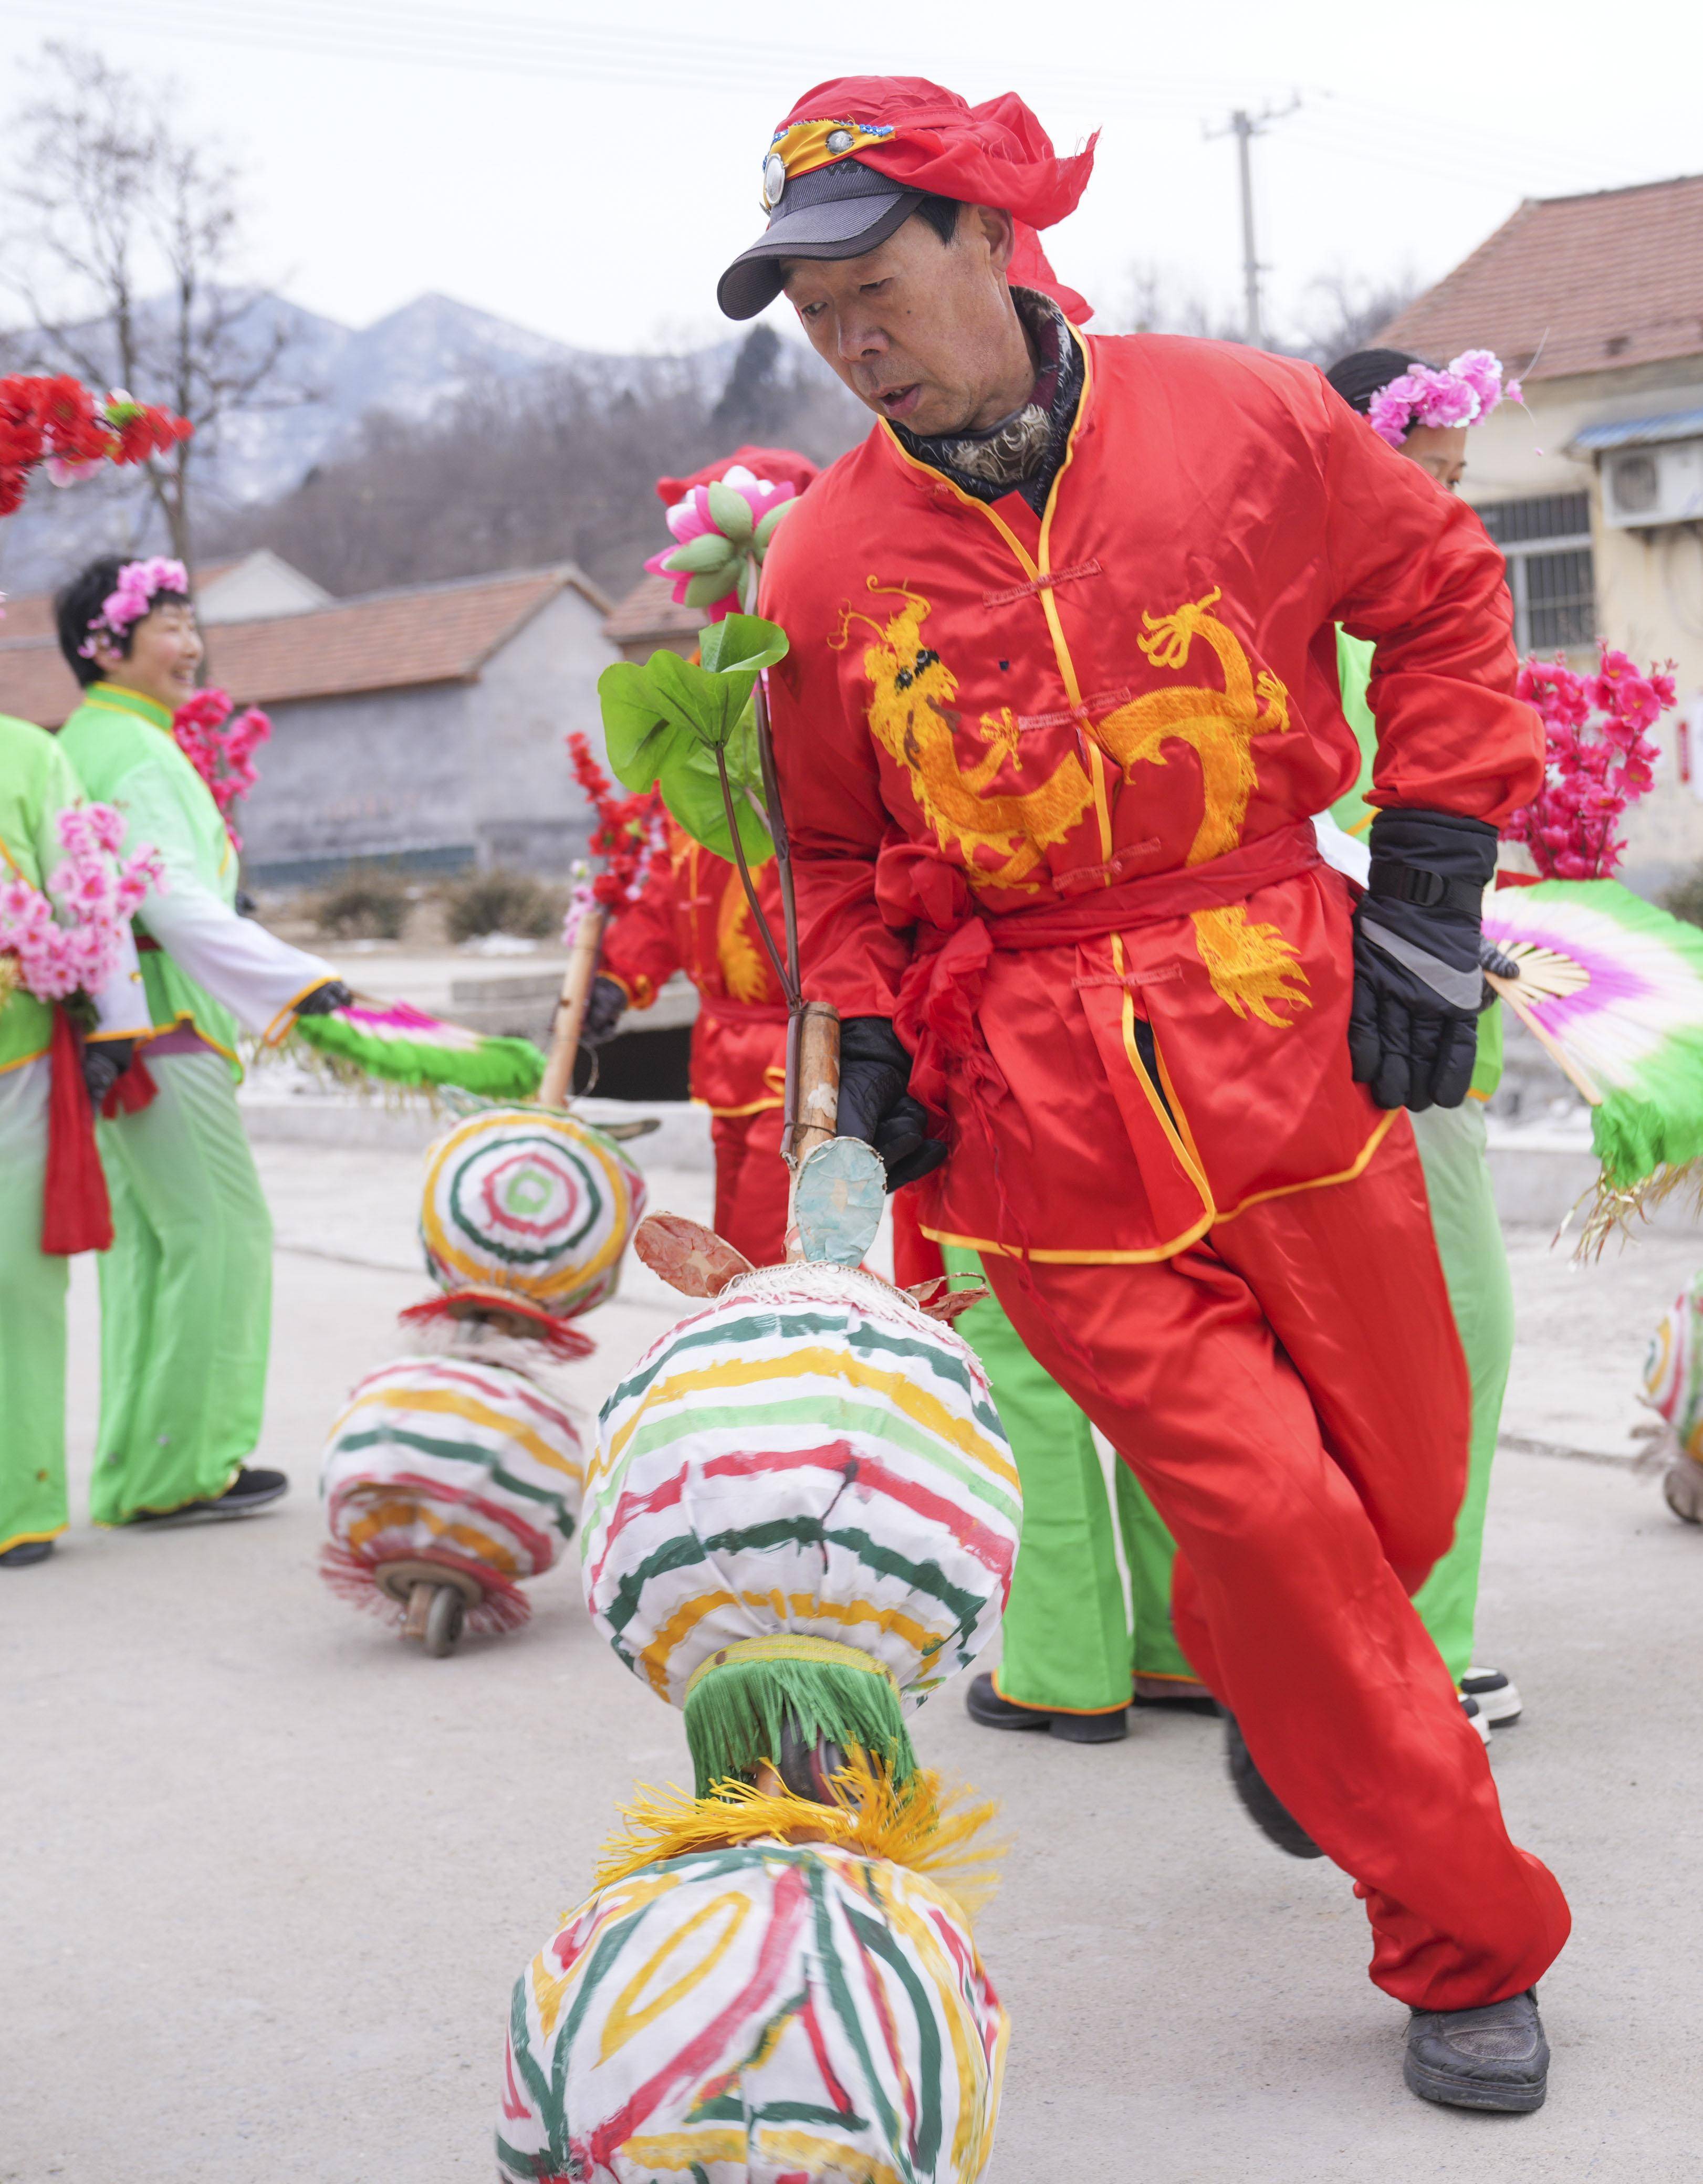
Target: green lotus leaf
<point x="661" y="724"/>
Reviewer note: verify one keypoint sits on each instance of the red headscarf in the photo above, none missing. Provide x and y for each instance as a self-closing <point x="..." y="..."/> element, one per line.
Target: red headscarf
<point x="996" y="153"/>
<point x="776" y="465"/>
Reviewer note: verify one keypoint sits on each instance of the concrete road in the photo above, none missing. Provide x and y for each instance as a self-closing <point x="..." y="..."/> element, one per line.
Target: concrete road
<point x="268" y="1875"/>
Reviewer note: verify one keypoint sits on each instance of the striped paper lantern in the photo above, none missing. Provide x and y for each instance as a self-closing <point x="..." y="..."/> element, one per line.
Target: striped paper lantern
<point x="1673" y="1369"/>
<point x="534" y="1204"/>
<point x="771" y="2012"/>
<point x="452" y="1462"/>
<point x="807" y="1454"/>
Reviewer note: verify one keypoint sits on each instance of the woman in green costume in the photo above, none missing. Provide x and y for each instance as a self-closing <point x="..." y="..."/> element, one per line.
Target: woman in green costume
<point x="1077" y="1644"/>
<point x="186" y="1290"/>
<point x="36" y="784"/>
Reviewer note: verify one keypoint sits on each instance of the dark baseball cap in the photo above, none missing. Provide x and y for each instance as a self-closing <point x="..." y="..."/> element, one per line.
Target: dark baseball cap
<point x="836" y="211"/>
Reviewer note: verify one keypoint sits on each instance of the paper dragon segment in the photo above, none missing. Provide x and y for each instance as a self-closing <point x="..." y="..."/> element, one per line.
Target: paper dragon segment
<point x="1613" y="987"/>
<point x="757" y="2011"/>
<point x="1673" y="1389"/>
<point x="394" y="1041"/>
<point x="453" y="1474"/>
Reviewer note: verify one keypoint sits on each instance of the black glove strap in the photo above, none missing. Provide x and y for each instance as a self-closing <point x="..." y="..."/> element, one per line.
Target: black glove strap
<point x="1398" y="883"/>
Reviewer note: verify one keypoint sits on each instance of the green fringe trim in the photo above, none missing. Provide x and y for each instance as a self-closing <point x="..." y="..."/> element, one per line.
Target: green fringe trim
<point x="736" y="1717"/>
<point x="496" y="1069"/>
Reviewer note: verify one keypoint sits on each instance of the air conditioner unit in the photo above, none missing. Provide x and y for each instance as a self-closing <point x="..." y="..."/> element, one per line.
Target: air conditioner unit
<point x="1658" y="484"/>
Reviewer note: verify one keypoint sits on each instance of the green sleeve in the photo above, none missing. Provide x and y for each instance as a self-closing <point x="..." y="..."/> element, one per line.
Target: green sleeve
<point x="1351" y="811"/>
<point x="148" y="798"/>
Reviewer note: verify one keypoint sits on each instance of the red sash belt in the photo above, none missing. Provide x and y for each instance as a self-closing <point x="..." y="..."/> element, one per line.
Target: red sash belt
<point x="77" y="1215"/>
<point x="941" y="993"/>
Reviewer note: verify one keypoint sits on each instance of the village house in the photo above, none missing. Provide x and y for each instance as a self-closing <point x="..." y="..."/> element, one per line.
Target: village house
<point x="1594" y="489"/>
<point x="422" y="727"/>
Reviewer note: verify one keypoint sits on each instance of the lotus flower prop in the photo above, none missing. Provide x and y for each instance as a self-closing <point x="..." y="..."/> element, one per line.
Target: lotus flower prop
<point x="723" y="533"/>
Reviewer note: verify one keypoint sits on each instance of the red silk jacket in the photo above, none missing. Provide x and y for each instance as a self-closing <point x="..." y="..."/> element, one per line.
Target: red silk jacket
<point x="1046" y="776"/>
<point x="692" y="916"/>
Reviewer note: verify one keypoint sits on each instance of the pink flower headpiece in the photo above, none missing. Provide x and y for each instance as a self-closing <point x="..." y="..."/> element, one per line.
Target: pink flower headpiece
<point x="139" y="582"/>
<point x="1463" y="393"/>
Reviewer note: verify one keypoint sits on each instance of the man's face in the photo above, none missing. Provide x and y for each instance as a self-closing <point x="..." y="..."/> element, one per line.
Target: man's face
<point x="921" y="331"/>
<point x="165" y="650"/>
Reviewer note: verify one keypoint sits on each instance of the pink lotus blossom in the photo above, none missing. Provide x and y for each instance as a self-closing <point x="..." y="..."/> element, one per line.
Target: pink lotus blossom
<point x="715" y="583"/>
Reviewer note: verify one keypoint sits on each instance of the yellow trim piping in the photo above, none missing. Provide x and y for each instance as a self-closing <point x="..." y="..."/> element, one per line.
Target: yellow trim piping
<point x="29" y="1539"/>
<point x="1357" y="1167"/>
<point x="272" y="1035"/>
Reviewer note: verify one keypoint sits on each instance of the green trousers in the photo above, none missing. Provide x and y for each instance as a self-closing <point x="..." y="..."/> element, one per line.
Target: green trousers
<point x="186" y="1296"/>
<point x="1090" y="1606"/>
<point x="1475" y="1266"/>
<point x="32" y="1322"/>
<point x="1066" y="1645"/>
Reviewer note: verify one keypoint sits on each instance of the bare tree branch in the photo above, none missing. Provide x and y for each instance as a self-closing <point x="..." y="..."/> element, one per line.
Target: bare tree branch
<point x="122" y="264"/>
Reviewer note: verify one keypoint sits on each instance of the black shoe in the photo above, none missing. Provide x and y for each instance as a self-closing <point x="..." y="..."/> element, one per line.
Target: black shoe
<point x="25" y="1552"/>
<point x="983" y="1704"/>
<point x="1493" y="2058"/>
<point x="248" y="1491"/>
<point x="1272" y="1819"/>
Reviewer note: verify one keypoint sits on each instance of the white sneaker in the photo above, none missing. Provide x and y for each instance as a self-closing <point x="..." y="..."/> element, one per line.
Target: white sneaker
<point x="1474" y="1714"/>
<point x="1497" y="1700"/>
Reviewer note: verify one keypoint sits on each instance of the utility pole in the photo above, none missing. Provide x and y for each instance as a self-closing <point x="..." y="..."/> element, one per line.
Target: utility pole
<point x="1244" y="127"/>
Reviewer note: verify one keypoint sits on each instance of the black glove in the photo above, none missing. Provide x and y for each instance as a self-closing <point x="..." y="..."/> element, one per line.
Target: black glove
<point x="245" y="905"/>
<point x="333" y="994"/>
<point x="604" y="1007"/>
<point x="874" y="1105"/>
<point x="104" y="1063"/>
<point x="1413" y="1027"/>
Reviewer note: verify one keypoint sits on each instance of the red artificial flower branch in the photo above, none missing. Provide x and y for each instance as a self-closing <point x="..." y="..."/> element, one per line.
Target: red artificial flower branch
<point x="1596" y="767"/>
<point x="629" y="835"/>
<point x="221" y="749"/>
<point x="57" y="421"/>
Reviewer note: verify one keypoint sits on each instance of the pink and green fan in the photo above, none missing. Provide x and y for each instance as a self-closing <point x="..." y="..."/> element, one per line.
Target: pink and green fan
<point x="1613" y="988"/>
<point x="401" y="1045"/>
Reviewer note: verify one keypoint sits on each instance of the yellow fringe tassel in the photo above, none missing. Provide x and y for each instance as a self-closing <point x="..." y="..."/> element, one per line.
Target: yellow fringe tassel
<point x="923" y="1827"/>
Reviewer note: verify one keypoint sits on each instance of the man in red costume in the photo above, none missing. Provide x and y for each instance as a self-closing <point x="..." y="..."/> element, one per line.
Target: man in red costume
<point x="693" y="916"/>
<point x="1060" y="696"/>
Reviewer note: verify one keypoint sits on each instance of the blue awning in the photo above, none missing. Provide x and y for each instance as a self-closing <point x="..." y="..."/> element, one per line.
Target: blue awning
<point x="1640" y="432"/>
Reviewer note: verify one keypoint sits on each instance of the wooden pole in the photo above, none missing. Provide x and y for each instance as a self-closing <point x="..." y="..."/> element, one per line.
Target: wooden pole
<point x="813" y="1054"/>
<point x="570" y="1008"/>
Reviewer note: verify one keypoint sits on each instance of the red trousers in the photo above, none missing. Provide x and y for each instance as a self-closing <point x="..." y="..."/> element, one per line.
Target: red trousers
<point x="751" y="1182"/>
<point x="1291" y="1393"/>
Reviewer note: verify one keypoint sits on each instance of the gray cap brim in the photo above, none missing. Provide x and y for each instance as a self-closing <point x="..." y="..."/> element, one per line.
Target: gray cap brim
<point x="839" y="211"/>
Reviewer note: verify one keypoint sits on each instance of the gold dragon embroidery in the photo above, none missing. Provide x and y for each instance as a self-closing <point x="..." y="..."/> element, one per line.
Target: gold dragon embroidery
<point x="914" y="720"/>
<point x="744" y="971"/>
<point x="1253" y="967"/>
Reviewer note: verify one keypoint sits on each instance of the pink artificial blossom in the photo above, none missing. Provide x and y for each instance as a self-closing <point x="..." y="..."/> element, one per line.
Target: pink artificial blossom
<point x="1593" y="767"/>
<point x="1463" y="393"/>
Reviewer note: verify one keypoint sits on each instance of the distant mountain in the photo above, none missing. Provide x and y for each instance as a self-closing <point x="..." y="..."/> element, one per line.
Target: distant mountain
<point x="414" y="360"/>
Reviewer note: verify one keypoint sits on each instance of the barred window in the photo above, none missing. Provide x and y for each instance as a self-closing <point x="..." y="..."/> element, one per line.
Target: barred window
<point x="1546" y="543"/>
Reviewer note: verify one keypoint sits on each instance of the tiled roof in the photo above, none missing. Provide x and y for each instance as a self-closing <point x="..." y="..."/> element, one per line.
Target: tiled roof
<point x="1584" y="284"/>
<point x="649" y="612"/>
<point x="387" y="641"/>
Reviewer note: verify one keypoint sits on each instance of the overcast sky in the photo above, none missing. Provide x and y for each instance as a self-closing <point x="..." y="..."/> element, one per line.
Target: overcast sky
<point x="588" y="169"/>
